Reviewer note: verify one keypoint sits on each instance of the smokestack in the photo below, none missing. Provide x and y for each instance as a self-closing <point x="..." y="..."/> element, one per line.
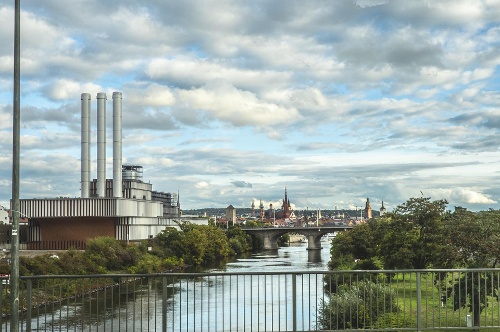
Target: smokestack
<point x="101" y="144"/>
<point x="85" y="140"/>
<point x="117" y="144"/>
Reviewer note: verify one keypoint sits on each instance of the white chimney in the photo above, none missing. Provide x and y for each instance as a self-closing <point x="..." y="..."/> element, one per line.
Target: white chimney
<point x="117" y="144"/>
<point x="85" y="140"/>
<point x="101" y="144"/>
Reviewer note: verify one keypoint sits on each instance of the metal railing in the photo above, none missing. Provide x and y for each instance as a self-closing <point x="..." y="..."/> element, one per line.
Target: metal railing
<point x="412" y="300"/>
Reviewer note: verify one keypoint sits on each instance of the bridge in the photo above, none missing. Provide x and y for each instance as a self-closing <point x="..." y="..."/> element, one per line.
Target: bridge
<point x="270" y="235"/>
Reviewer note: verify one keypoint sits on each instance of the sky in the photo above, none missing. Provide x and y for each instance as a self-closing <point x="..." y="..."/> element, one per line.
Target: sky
<point x="231" y="102"/>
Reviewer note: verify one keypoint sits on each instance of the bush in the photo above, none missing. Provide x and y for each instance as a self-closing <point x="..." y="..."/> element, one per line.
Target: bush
<point x="356" y="306"/>
<point x="148" y="264"/>
<point x="111" y="254"/>
<point x="394" y="320"/>
<point x="235" y="246"/>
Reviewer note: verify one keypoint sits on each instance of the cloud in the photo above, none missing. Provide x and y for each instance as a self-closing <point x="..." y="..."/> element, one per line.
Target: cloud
<point x="202" y="185"/>
<point x="220" y="100"/>
<point x="279" y="94"/>
<point x="241" y="184"/>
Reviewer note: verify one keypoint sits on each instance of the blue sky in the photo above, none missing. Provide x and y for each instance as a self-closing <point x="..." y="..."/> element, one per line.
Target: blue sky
<point x="230" y="102"/>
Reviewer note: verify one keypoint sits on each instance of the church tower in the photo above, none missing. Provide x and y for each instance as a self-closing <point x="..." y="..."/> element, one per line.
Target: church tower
<point x="253" y="209"/>
<point x="382" y="209"/>
<point x="179" y="211"/>
<point x="368" y="210"/>
<point x="285" y="206"/>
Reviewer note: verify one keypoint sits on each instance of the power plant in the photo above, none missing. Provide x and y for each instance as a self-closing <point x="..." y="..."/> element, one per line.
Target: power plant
<point x="123" y="207"/>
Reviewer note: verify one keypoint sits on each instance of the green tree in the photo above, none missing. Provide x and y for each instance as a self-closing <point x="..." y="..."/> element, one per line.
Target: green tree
<point x="355" y="246"/>
<point x="397" y="239"/>
<point x="195" y="244"/>
<point x="217" y="244"/>
<point x="235" y="233"/>
<point x="475" y="242"/>
<point x="426" y="218"/>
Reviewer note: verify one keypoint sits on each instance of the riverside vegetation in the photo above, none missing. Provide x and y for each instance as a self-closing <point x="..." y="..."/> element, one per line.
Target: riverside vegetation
<point x="172" y="249"/>
<point x="192" y="245"/>
<point x="419" y="234"/>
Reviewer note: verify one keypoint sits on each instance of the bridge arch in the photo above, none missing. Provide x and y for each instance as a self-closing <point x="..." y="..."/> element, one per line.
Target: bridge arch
<point x="271" y="235"/>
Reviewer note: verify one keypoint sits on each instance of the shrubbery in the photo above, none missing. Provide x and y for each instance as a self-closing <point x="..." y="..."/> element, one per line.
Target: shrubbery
<point x="356" y="306"/>
<point x="171" y="249"/>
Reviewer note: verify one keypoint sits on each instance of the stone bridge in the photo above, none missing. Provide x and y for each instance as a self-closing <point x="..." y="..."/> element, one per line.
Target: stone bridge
<point x="271" y="235"/>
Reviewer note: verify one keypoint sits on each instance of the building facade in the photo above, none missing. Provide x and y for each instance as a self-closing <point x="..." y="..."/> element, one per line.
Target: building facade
<point x="123" y="207"/>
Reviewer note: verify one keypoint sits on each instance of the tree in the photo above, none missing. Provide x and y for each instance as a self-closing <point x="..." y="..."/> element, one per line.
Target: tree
<point x="475" y="242"/>
<point x="475" y="237"/>
<point x="426" y="218"/>
<point x="353" y="246"/>
<point x="397" y="239"/>
<point x="238" y="240"/>
<point x="409" y="237"/>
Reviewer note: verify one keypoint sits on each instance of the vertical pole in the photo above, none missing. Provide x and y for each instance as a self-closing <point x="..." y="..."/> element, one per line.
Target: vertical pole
<point x="294" y="301"/>
<point x="419" y="301"/>
<point x="164" y="299"/>
<point x="14" y="251"/>
<point x="29" y="304"/>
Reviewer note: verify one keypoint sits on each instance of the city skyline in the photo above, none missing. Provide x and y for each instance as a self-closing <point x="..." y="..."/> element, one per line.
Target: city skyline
<point x="231" y="102"/>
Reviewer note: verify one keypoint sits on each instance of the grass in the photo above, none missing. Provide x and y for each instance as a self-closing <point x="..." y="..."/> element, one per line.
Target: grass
<point x="433" y="312"/>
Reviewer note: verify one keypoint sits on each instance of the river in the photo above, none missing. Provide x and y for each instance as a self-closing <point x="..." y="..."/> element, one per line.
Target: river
<point x="211" y="303"/>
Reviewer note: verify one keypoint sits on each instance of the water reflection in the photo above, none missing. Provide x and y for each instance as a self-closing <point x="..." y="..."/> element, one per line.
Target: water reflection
<point x="314" y="256"/>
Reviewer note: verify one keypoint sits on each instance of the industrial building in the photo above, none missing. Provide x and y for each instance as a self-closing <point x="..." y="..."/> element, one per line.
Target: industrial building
<point x="124" y="207"/>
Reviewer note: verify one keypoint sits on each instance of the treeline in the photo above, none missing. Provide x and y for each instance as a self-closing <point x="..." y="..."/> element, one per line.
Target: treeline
<point x="172" y="249"/>
<point x="419" y="234"/>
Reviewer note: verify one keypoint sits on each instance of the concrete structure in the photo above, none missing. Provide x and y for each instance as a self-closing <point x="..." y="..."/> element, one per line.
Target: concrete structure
<point x="85" y="142"/>
<point x="271" y="235"/>
<point x="117" y="144"/>
<point x="124" y="207"/>
<point x="230" y="215"/>
<point x="101" y="144"/>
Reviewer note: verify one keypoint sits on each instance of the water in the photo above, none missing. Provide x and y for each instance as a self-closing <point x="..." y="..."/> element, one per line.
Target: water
<point x="292" y="258"/>
<point x="212" y="303"/>
<point x="229" y="307"/>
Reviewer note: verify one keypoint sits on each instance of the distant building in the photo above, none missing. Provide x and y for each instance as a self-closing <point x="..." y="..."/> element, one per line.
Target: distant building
<point x="4" y="216"/>
<point x="230" y="215"/>
<point x="382" y="209"/>
<point x="286" y="208"/>
<point x="368" y="210"/>
<point x="124" y="207"/>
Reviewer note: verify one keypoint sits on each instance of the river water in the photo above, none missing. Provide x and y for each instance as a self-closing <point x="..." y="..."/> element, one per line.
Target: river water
<point x="217" y="303"/>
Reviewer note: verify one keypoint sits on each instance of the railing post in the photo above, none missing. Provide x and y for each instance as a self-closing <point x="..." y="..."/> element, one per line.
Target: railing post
<point x="294" y="301"/>
<point x="419" y="301"/>
<point x="29" y="305"/>
<point x="164" y="304"/>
